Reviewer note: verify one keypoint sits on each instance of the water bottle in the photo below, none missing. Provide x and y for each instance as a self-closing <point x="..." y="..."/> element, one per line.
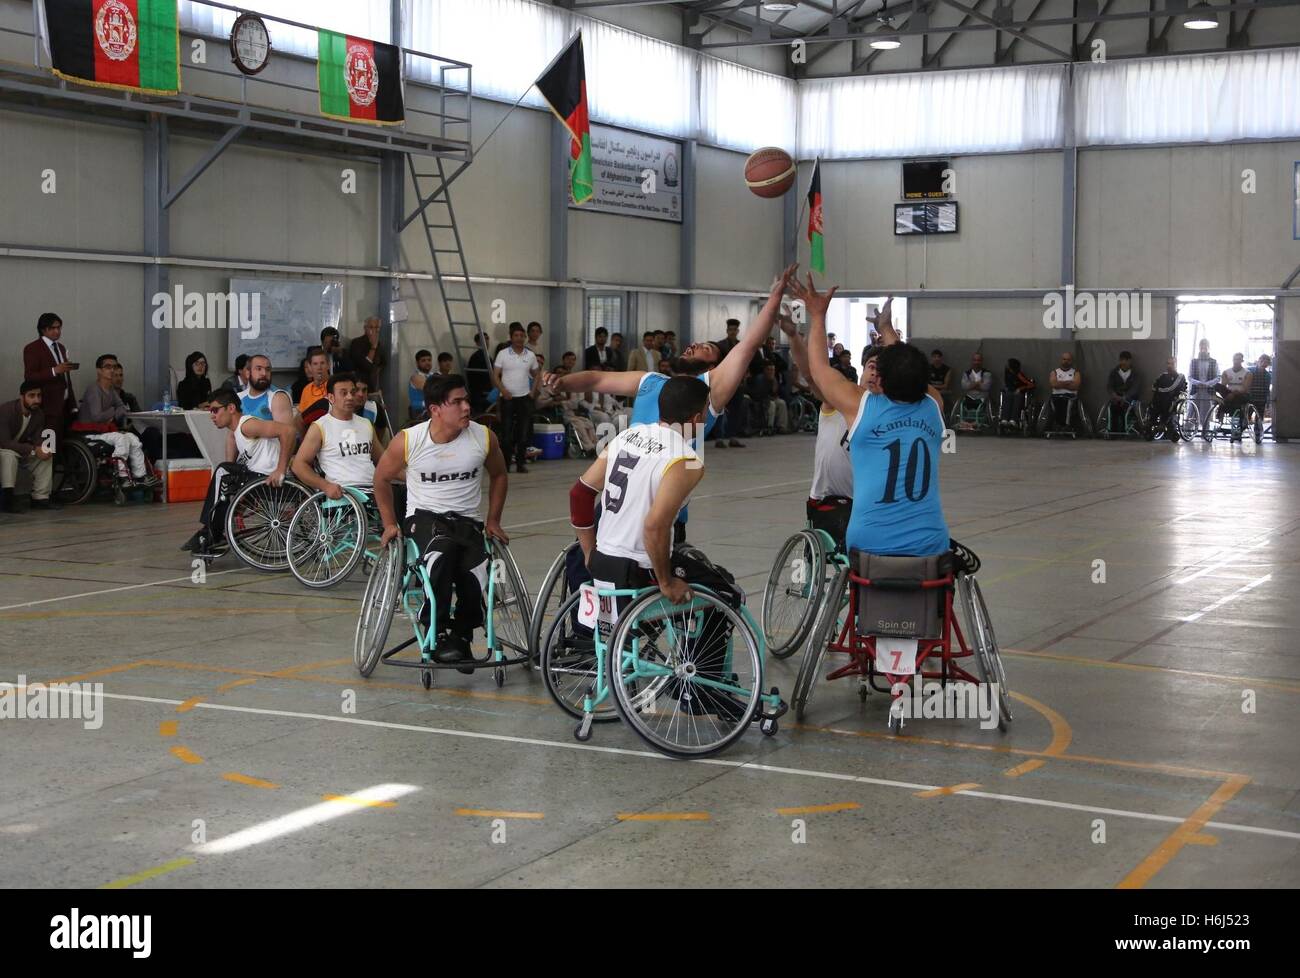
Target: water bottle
<point x="167" y="400"/>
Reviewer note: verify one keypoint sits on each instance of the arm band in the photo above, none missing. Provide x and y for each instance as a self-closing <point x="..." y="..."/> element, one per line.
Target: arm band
<point x="582" y="506"/>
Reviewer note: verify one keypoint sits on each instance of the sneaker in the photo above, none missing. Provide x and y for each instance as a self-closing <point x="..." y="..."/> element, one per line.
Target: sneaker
<point x="453" y="649"/>
<point x="149" y="482"/>
<point x="190" y="544"/>
<point x="736" y="444"/>
<point x="50" y="504"/>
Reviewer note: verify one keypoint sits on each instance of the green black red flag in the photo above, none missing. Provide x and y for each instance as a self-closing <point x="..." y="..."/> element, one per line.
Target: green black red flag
<point x="359" y="79"/>
<point x="129" y="44"/>
<point x="817" y="254"/>
<point x="564" y="86"/>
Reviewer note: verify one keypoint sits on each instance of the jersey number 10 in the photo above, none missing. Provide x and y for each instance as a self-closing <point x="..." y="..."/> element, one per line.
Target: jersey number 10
<point x="918" y="457"/>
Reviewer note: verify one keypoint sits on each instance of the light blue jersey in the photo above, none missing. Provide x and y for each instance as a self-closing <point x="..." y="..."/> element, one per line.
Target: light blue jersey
<point x="895" y="448"/>
<point x="259" y="405"/>
<point x="646" y="408"/>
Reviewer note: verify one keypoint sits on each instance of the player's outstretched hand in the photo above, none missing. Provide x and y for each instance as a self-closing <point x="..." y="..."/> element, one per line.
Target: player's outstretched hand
<point x="816" y="302"/>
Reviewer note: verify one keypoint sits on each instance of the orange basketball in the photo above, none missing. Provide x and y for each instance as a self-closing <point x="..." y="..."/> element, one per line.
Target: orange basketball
<point x="769" y="172"/>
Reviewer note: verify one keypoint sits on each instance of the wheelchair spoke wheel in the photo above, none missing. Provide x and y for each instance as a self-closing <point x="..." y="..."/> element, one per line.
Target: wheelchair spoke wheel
<point x="685" y="677"/>
<point x="377" y="607"/>
<point x="510" y="609"/>
<point x="554" y="591"/>
<point x="822" y="634"/>
<point x="794" y="588"/>
<point x="987" y="656"/>
<point x="327" y="539"/>
<point x="75" y="472"/>
<point x="569" y="663"/>
<point x="257" y="523"/>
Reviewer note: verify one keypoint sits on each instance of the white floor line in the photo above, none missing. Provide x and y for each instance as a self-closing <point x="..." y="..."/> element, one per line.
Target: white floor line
<point x="1224" y="600"/>
<point x="113" y="590"/>
<point x="713" y="761"/>
<point x="1240" y="554"/>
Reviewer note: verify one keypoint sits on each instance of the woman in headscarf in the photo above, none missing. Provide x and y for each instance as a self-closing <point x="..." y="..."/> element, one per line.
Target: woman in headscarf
<point x="196" y="389"/>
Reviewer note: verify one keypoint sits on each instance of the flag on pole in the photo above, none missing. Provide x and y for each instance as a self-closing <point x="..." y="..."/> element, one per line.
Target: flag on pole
<point x="817" y="254"/>
<point x="564" y="86"/>
<point x="128" y="44"/>
<point x="359" y="79"/>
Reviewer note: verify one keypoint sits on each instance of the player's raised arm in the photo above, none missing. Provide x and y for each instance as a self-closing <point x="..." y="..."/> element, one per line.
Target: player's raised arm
<point x="839" y="392"/>
<point x="620" y="383"/>
<point x="725" y="379"/>
<point x="799" y="350"/>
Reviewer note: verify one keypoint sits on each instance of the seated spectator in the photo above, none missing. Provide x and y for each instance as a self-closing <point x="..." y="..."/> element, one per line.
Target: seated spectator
<point x="333" y="347"/>
<point x="976" y="383"/>
<point x="568" y="408"/>
<point x="844" y="364"/>
<point x="238" y="381"/>
<point x="569" y="361"/>
<point x="940" y="377"/>
<point x="1233" y="389"/>
<point x="645" y="358"/>
<point x="1016" y="384"/>
<point x="23" y="444"/>
<point x="366" y="357"/>
<point x="1164" y="393"/>
<point x="99" y="417"/>
<point x="1065" y="381"/>
<point x="765" y="391"/>
<point x="1261" y="383"/>
<point x="415" y="385"/>
<point x="312" y="402"/>
<point x="372" y="409"/>
<point x="195" y="389"/>
<point x="445" y="363"/>
<point x="130" y="400"/>
<point x="1123" y="388"/>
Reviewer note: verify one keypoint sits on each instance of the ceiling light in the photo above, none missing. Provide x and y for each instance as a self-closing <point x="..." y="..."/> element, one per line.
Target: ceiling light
<point x="778" y="5"/>
<point x="886" y="43"/>
<point x="1201" y="18"/>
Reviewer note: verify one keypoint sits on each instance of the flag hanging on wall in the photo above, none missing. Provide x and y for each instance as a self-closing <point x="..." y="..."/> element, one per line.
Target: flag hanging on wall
<point x="359" y="79"/>
<point x="564" y="86"/>
<point x="129" y="44"/>
<point x="817" y="255"/>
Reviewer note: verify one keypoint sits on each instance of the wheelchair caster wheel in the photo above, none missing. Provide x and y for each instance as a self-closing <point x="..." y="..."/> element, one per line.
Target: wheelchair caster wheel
<point x="499" y="676"/>
<point x="863" y="690"/>
<point x="426" y="678"/>
<point x="119" y="497"/>
<point x="582" y="732"/>
<point x="768" y="727"/>
<point x="895" y="722"/>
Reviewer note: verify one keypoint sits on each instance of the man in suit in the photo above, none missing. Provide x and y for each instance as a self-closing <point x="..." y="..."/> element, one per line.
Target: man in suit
<point x="645" y="358"/>
<point x="23" y="442"/>
<point x="597" y="356"/>
<point x="45" y="360"/>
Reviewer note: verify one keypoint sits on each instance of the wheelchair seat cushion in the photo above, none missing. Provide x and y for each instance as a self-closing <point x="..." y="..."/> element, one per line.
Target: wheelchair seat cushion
<point x="895" y="605"/>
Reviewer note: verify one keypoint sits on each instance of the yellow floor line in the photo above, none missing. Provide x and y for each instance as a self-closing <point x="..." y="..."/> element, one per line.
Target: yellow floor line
<point x="950" y="790"/>
<point x="186" y="755"/>
<point x="251" y="782"/>
<point x="226" y="687"/>
<point x="1062" y="735"/>
<point x="490" y="813"/>
<point x="839" y="806"/>
<point x="167" y="728"/>
<point x="363" y="802"/>
<point x="189" y="704"/>
<point x="148" y="874"/>
<point x="1187" y="832"/>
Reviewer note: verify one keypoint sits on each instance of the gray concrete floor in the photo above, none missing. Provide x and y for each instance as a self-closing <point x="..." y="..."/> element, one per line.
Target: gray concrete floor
<point x="1129" y="706"/>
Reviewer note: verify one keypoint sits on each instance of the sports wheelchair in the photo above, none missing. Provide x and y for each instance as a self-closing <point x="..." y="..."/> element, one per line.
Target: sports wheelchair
<point x="399" y="580"/>
<point x="257" y="520"/>
<point x="900" y="614"/>
<point x="796" y="587"/>
<point x="1021" y="421"/>
<point x="1134" y="421"/>
<point x="803" y="412"/>
<point x="686" y="678"/>
<point x="1076" y="420"/>
<point x="1233" y="424"/>
<point x="970" y="414"/>
<point x="82" y="467"/>
<point x="328" y="538"/>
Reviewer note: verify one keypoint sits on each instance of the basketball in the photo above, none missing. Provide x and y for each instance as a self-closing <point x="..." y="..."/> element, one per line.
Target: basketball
<point x="769" y="172"/>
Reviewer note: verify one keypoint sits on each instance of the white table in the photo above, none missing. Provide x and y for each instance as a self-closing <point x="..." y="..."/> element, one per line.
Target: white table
<point x="210" y="439"/>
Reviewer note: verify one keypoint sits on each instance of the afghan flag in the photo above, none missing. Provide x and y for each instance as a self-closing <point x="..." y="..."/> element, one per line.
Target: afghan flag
<point x="564" y="86"/>
<point x="130" y="44"/>
<point x="817" y="256"/>
<point x="359" y="79"/>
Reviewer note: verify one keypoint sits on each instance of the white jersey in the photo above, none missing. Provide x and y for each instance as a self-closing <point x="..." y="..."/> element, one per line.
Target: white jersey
<point x="636" y="462"/>
<point x="973" y="384"/>
<point x="832" y="470"/>
<point x="261" y="455"/>
<point x="445" y="478"/>
<point x="344" y="454"/>
<point x="1064" y="376"/>
<point x="1236" y="378"/>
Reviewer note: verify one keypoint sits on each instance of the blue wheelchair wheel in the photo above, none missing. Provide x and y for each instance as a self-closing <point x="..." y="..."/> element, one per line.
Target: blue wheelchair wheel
<point x="794" y="589"/>
<point x="327" y="539"/>
<point x="568" y="657"/>
<point x="377" y="607"/>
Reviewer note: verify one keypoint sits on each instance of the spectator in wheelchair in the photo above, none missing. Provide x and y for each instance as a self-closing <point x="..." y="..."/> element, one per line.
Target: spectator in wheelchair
<point x="101" y="416"/>
<point x="895" y="439"/>
<point x="255" y="448"/>
<point x="1164" y="397"/>
<point x="1016" y="386"/>
<point x="343" y="444"/>
<point x="940" y="376"/>
<point x="1124" y="390"/>
<point x="975" y="385"/>
<point x="1233" y="389"/>
<point x="1066" y="381"/>
<point x="441" y="461"/>
<point x="23" y="444"/>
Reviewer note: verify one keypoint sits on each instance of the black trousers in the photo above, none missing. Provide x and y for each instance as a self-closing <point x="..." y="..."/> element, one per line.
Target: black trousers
<point x="454" y="553"/>
<point x="516" y="422"/>
<point x="226" y="480"/>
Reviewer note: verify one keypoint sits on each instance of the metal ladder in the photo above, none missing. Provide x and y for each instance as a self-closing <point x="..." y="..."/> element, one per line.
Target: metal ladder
<point x="450" y="270"/>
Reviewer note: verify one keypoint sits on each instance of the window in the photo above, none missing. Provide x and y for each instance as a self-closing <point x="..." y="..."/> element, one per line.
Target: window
<point x="605" y="309"/>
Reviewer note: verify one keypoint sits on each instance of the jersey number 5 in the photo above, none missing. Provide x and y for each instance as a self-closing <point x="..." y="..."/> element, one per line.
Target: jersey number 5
<point x="618" y="475"/>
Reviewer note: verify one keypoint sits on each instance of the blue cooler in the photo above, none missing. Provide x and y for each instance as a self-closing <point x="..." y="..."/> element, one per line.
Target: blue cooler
<point x="550" y="439"/>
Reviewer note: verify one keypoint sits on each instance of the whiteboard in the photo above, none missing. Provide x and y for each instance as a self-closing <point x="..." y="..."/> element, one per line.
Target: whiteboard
<point x="291" y="315"/>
